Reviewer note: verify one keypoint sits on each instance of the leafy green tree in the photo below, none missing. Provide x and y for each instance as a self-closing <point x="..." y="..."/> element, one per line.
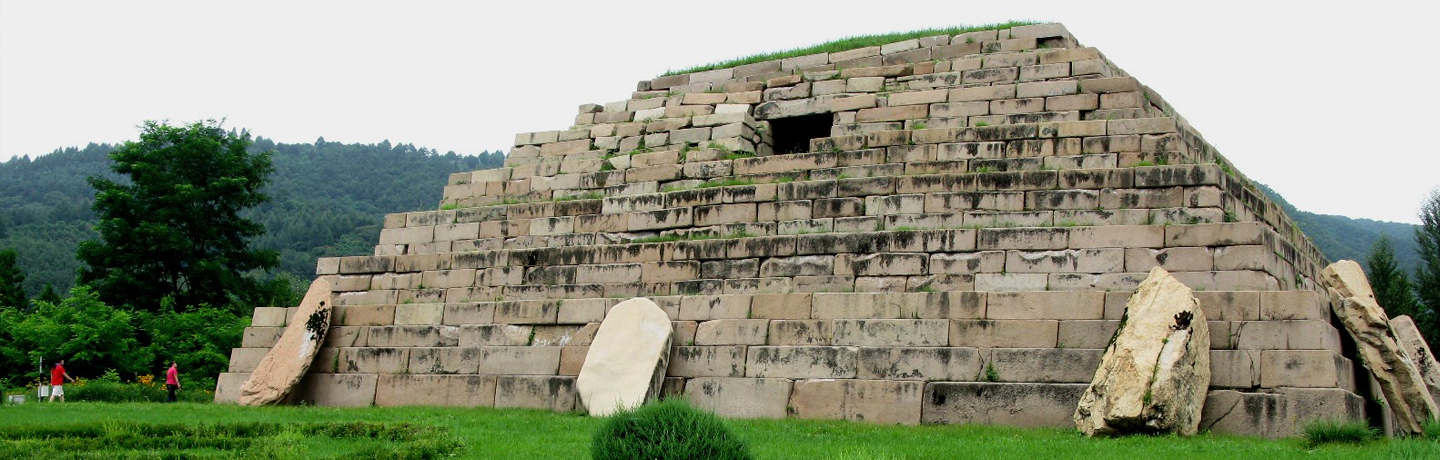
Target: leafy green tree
<point x="1427" y="275"/>
<point x="91" y="336"/>
<point x="1392" y="286"/>
<point x="12" y="282"/>
<point x="199" y="339"/>
<point x="175" y="229"/>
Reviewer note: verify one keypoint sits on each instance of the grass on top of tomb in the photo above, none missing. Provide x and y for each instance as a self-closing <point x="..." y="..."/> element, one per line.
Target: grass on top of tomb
<point x="527" y="434"/>
<point x="846" y="44"/>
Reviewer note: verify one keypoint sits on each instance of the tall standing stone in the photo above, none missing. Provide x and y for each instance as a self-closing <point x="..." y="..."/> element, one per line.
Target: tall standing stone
<point x="1419" y="352"/>
<point x="1155" y="372"/>
<point x="627" y="359"/>
<point x="1354" y="303"/>
<point x="286" y="363"/>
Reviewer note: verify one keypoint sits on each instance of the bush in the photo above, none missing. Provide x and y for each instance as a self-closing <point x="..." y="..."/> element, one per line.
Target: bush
<point x="1337" y="431"/>
<point x="666" y="430"/>
<point x="1432" y="429"/>
<point x="113" y="392"/>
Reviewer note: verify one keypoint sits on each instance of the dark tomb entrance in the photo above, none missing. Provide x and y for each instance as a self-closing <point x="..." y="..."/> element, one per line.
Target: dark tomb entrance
<point x="793" y="134"/>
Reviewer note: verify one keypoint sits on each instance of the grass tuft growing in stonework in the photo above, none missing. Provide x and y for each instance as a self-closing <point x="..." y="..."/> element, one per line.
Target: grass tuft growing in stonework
<point x="428" y="432"/>
<point x="846" y="44"/>
<point x="1332" y="431"/>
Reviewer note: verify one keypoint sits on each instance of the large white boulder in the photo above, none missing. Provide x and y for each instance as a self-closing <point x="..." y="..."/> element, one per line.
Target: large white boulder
<point x="1354" y="303"/>
<point x="1155" y="372"/>
<point x="286" y="363"/>
<point x="627" y="359"/>
<point x="1419" y="353"/>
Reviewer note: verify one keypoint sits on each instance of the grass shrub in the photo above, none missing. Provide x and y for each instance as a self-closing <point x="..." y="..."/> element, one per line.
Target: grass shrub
<point x="1338" y="431"/>
<point x="666" y="430"/>
<point x="130" y="439"/>
<point x="845" y="44"/>
<point x="1432" y="429"/>
<point x="112" y="392"/>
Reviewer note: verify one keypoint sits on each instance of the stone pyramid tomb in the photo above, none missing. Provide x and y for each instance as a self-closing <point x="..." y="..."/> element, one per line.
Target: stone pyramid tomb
<point x="938" y="230"/>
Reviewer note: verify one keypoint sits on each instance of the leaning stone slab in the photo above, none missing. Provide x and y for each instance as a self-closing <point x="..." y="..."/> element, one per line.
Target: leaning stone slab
<point x="1400" y="381"/>
<point x="286" y="363"/>
<point x="1156" y="370"/>
<point x="1419" y="352"/>
<point x="627" y="359"/>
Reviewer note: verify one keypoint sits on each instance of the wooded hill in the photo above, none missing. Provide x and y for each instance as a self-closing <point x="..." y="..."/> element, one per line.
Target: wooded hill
<point x="326" y="199"/>
<point x="329" y="199"/>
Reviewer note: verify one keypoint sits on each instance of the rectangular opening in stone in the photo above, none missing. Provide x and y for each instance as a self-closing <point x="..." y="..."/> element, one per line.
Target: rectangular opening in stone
<point x="793" y="134"/>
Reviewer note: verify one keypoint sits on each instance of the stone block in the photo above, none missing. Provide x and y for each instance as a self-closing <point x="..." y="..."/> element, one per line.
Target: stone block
<point x="1285" y="335"/>
<point x="336" y="390"/>
<point x="1045" y="365"/>
<point x="707" y="361"/>
<point x="477" y="335"/>
<point x="425" y="313"/>
<point x="553" y="393"/>
<point x="710" y="307"/>
<point x="1027" y="405"/>
<point x="740" y="397"/>
<point x="1234" y="368"/>
<point x="260" y="337"/>
<point x="1099" y="260"/>
<point x="435" y="390"/>
<point x="1305" y="368"/>
<point x="987" y="333"/>
<point x="1045" y="305"/>
<point x="1293" y="305"/>
<point x="801" y="361"/>
<point x="780" y="306"/>
<point x="906" y="112"/>
<point x="1022" y="238"/>
<point x="413" y="336"/>
<point x="732" y="332"/>
<point x="1086" y="333"/>
<point x="1171" y="259"/>
<point x="800" y="332"/>
<point x="531" y="360"/>
<point x="875" y="401"/>
<point x="469" y="313"/>
<point x="1226" y="234"/>
<point x="891" y="332"/>
<point x="443" y="360"/>
<point x="527" y="312"/>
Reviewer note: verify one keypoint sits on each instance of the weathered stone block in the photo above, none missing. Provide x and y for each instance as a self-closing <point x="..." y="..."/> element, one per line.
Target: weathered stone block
<point x="707" y="361"/>
<point x="536" y="392"/>
<point x="435" y="390"/>
<point x="336" y="390"/>
<point x="891" y="332"/>
<point x="740" y="397"/>
<point x="801" y="362"/>
<point x="1013" y="404"/>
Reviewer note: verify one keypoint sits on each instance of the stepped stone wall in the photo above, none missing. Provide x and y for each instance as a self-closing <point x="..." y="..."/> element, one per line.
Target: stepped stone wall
<point x="957" y="246"/>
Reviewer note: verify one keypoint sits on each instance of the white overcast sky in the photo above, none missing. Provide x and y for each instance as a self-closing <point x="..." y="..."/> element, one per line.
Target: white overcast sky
<point x="1330" y="105"/>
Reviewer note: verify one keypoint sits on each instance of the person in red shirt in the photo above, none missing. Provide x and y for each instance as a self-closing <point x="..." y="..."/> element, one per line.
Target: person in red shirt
<point x="172" y="381"/>
<point x="57" y="380"/>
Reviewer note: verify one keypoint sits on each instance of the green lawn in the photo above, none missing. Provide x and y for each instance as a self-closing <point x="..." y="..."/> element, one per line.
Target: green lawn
<point x="523" y="434"/>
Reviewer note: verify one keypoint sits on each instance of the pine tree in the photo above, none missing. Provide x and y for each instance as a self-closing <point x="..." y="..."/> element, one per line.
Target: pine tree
<point x="1427" y="275"/>
<point x="48" y="295"/>
<point x="12" y="282"/>
<point x="1392" y="286"/>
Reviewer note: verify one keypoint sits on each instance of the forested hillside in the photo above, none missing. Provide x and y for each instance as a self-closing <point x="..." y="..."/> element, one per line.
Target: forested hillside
<point x="326" y="199"/>
<point x="1341" y="237"/>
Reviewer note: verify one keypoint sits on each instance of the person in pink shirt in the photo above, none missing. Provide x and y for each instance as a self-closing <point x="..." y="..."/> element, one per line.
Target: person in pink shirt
<point x="172" y="381"/>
